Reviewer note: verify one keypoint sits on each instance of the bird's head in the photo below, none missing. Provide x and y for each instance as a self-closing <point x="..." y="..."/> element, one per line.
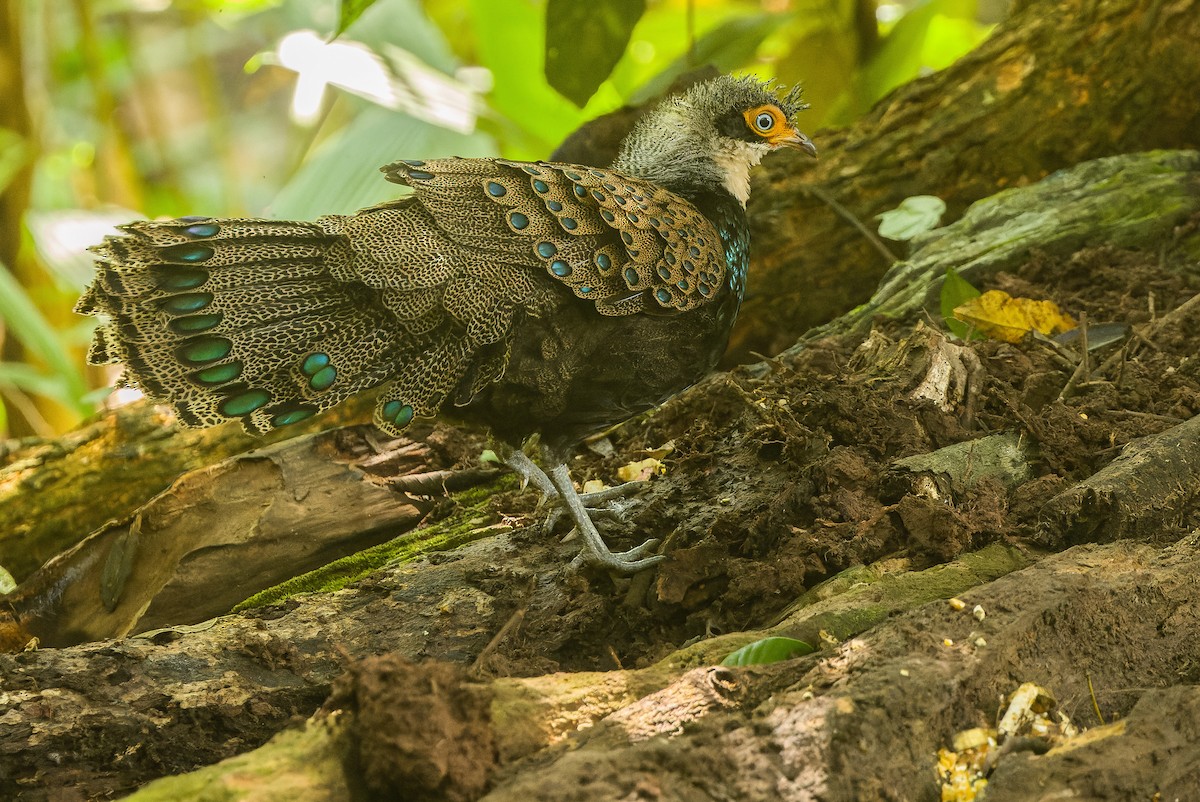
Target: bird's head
<point x="712" y="134"/>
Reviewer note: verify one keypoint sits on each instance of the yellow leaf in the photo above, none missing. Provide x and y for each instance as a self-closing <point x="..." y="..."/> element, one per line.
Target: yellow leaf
<point x="998" y="315"/>
<point x="642" y="469"/>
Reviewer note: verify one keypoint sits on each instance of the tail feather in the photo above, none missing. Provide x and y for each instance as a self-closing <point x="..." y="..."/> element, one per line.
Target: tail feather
<point x="240" y="319"/>
<point x="270" y="322"/>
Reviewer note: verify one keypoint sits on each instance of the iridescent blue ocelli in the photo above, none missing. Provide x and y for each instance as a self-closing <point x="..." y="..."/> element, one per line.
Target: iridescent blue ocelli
<point x="397" y="412"/>
<point x="202" y="230"/>
<point x="188" y="252"/>
<point x="244" y="403"/>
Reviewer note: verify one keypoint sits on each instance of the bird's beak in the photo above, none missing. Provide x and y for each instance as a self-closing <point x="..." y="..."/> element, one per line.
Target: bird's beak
<point x="799" y="141"/>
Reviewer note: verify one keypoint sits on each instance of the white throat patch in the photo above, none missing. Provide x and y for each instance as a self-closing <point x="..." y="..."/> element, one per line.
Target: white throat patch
<point x="735" y="163"/>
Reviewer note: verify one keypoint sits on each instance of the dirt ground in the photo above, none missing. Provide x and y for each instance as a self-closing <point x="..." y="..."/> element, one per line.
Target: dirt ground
<point x="798" y="485"/>
<point x="797" y="489"/>
<point x="793" y="483"/>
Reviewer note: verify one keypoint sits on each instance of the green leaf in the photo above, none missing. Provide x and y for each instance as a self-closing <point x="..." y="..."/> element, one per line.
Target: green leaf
<point x="585" y="40"/>
<point x="915" y="215"/>
<point x="956" y="291"/>
<point x="728" y="46"/>
<point x="768" y="650"/>
<point x="350" y="11"/>
<point x="535" y="117"/>
<point x="929" y="37"/>
<point x="23" y="319"/>
<point x="343" y="175"/>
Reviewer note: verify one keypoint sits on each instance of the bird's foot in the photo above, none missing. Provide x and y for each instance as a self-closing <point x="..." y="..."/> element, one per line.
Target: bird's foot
<point x="605" y="507"/>
<point x="625" y="562"/>
<point x="595" y="551"/>
<point x="608" y="505"/>
<point x="530" y="472"/>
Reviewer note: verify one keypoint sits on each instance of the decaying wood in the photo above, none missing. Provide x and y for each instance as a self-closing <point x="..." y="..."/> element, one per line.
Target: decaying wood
<point x="1121" y="201"/>
<point x="790" y="731"/>
<point x="102" y="719"/>
<point x="219" y="535"/>
<point x="54" y="493"/>
<point x="135" y="699"/>
<point x="1149" y="488"/>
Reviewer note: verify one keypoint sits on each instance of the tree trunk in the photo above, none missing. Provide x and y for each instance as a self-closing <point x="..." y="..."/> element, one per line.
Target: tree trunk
<point x="1055" y="85"/>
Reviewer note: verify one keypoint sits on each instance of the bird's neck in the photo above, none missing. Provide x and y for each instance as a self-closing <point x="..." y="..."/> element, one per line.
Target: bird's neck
<point x="728" y="216"/>
<point x="662" y="149"/>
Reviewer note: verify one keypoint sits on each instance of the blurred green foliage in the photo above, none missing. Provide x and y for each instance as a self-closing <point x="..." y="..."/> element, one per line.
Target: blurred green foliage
<point x="152" y="108"/>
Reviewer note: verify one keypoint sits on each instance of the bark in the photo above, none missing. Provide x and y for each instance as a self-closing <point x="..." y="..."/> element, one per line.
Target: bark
<point x="228" y="686"/>
<point x="1055" y="85"/>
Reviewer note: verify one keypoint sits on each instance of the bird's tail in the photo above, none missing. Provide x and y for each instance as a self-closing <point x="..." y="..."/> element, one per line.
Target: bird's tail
<point x="243" y="319"/>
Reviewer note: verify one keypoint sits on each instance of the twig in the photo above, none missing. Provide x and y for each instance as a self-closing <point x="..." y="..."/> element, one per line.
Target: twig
<point x="1095" y="704"/>
<point x="512" y="623"/>
<point x="1085" y="362"/>
<point x="436" y="483"/>
<point x="1152" y="328"/>
<point x="849" y="217"/>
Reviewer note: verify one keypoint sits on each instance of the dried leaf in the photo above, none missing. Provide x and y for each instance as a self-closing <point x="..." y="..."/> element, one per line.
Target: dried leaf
<point x="1002" y="317"/>
<point x="640" y="470"/>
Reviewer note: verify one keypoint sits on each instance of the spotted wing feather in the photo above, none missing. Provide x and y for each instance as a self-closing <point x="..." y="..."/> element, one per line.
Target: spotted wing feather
<point x="625" y="244"/>
<point x="270" y="322"/>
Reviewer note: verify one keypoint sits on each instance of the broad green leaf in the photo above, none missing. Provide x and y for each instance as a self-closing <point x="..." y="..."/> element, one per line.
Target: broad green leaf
<point x="24" y="321"/>
<point x="728" y="46"/>
<point x="929" y="37"/>
<point x="768" y="650"/>
<point x="585" y="40"/>
<point x="506" y="35"/>
<point x="404" y="24"/>
<point x="343" y="174"/>
<point x="350" y="11"/>
<point x="915" y="215"/>
<point x="956" y="291"/>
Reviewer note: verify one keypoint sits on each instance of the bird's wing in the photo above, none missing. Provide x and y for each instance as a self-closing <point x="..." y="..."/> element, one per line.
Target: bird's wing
<point x="621" y="242"/>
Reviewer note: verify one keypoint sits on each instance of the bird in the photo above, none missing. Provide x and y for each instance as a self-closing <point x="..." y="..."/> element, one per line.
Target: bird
<point x="534" y="298"/>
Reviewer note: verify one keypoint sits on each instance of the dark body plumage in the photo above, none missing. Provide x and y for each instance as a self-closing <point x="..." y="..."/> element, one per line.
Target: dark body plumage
<point x="531" y="297"/>
<point x="574" y="373"/>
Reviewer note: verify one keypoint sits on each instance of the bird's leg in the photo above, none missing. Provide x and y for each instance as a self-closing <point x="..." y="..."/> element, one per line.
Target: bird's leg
<point x="531" y="472"/>
<point x="594" y="548"/>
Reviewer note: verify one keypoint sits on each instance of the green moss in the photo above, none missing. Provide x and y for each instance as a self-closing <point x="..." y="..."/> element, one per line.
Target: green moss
<point x="470" y="521"/>
<point x="861" y="597"/>
<point x="305" y="765"/>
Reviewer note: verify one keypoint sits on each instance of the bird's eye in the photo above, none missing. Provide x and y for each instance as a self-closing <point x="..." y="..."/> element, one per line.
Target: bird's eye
<point x="765" y="121"/>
